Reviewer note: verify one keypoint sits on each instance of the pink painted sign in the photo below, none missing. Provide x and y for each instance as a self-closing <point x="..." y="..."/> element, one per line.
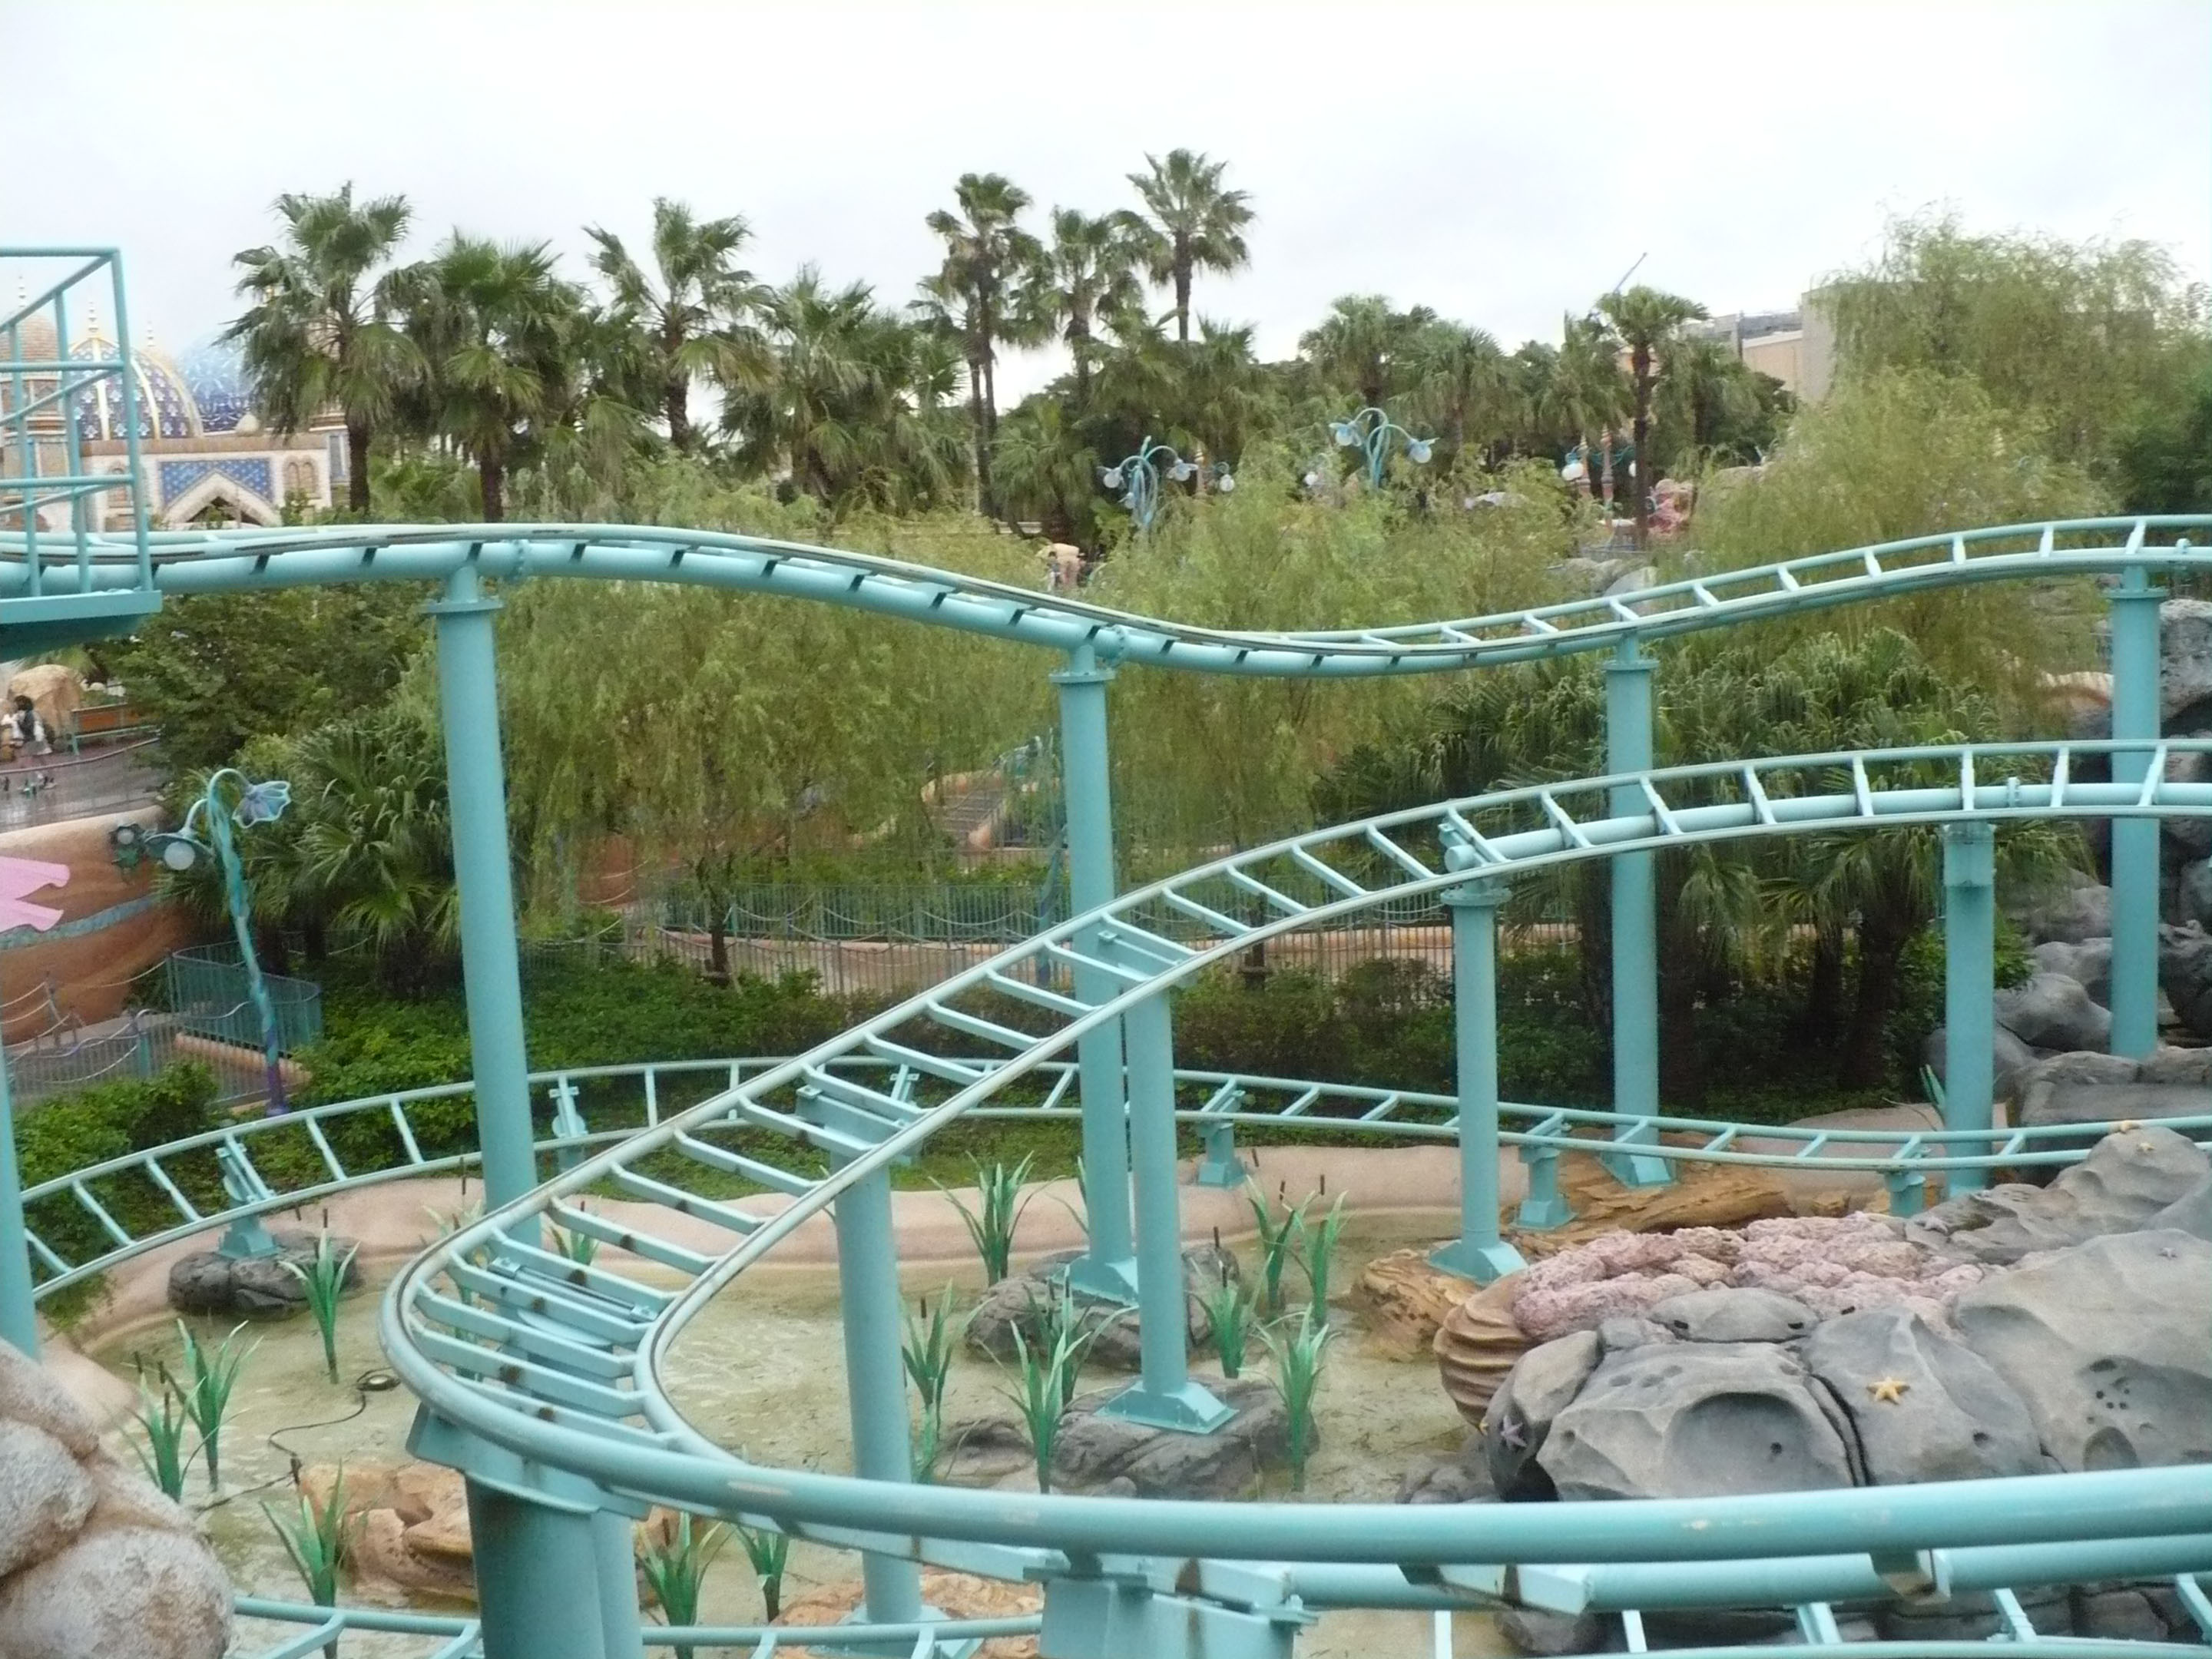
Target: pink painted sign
<point x="21" y="876"/>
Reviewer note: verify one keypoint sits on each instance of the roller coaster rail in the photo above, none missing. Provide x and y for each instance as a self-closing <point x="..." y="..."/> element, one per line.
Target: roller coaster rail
<point x="539" y="1375"/>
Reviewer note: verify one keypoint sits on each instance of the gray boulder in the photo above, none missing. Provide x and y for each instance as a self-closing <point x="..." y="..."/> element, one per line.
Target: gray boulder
<point x="2051" y="1011"/>
<point x="1732" y="1314"/>
<point x="2184" y="669"/>
<point x="1972" y="1615"/>
<point x="2075" y="913"/>
<point x="1542" y="1383"/>
<point x="2090" y="962"/>
<point x="2130" y="1180"/>
<point x="251" y="1287"/>
<point x="2105" y="1343"/>
<point x="1697" y="1420"/>
<point x="2192" y="892"/>
<point x="2009" y="1057"/>
<point x="1463" y="1478"/>
<point x="1025" y="1300"/>
<point x="1625" y="1331"/>
<point x="1095" y="1450"/>
<point x="2184" y="973"/>
<point x="1925" y="1407"/>
<point x="1554" y="1635"/>
<point x="2185" y="1067"/>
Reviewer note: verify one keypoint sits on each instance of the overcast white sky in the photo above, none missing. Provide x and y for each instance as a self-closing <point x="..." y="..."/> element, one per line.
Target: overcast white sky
<point x="1482" y="159"/>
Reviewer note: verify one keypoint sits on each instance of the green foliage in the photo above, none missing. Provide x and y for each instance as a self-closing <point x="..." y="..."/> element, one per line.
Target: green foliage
<point x="1297" y="1358"/>
<point x="213" y="1374"/>
<point x="162" y="1419"/>
<point x="317" y="1538"/>
<point x="1229" y="1321"/>
<point x="324" y="1280"/>
<point x="1282" y="1238"/>
<point x="74" y="1131"/>
<point x="767" y="1551"/>
<point x="1042" y="1385"/>
<point x="674" y="1568"/>
<point x="927" y="1351"/>
<point x="215" y="671"/>
<point x="998" y="1211"/>
<point x="1316" y="1246"/>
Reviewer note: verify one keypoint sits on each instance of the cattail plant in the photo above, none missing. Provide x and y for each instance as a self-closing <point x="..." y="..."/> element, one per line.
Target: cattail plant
<point x="1316" y="1245"/>
<point x="1060" y="1333"/>
<point x="579" y="1247"/>
<point x="1040" y="1398"/>
<point x="674" y="1566"/>
<point x="206" y="1399"/>
<point x="768" y="1551"/>
<point x="324" y="1279"/>
<point x="1298" y="1361"/>
<point x="1229" y="1317"/>
<point x="928" y="1355"/>
<point x="999" y="1208"/>
<point x="162" y="1419"/>
<point x="317" y="1538"/>
<point x="1281" y="1238"/>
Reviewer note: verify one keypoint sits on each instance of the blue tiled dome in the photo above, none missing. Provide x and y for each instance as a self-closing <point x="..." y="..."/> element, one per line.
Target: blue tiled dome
<point x="214" y="373"/>
<point x="166" y="408"/>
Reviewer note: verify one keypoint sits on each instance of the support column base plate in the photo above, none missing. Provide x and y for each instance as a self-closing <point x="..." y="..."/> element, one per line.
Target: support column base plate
<point x="1191" y="1408"/>
<point x="1485" y="1264"/>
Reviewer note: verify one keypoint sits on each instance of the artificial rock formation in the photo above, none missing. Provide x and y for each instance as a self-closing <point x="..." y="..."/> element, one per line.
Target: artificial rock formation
<point x="93" y="1560"/>
<point x="411" y="1526"/>
<point x="1025" y="1301"/>
<point x="253" y="1288"/>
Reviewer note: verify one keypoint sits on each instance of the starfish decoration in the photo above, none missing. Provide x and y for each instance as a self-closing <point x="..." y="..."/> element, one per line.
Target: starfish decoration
<point x="19" y="877"/>
<point x="1513" y="1437"/>
<point x="1888" y="1390"/>
<point x="2125" y="1125"/>
<point x="2145" y="1146"/>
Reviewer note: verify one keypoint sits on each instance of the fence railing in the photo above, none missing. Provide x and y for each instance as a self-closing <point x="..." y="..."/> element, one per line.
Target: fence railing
<point x="53" y="789"/>
<point x="144" y="1043"/>
<point x="209" y="995"/>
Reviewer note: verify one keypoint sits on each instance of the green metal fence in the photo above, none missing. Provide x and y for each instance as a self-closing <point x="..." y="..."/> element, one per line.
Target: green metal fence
<point x="208" y="994"/>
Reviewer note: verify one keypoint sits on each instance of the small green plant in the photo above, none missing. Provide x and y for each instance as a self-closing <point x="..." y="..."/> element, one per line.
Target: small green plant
<point x="1316" y="1246"/>
<point x="1228" y="1316"/>
<point x="768" y="1551"/>
<point x="1060" y="1333"/>
<point x="1040" y="1398"/>
<point x="998" y="1211"/>
<point x="324" y="1279"/>
<point x="206" y="1399"/>
<point x="928" y="1349"/>
<point x="317" y="1538"/>
<point x="1281" y="1237"/>
<point x="162" y="1419"/>
<point x="1298" y="1361"/>
<point x="928" y="1441"/>
<point x="579" y="1247"/>
<point x="675" y="1566"/>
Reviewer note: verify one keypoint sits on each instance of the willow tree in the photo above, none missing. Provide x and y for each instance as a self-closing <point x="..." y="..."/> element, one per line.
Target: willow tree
<point x="728" y="734"/>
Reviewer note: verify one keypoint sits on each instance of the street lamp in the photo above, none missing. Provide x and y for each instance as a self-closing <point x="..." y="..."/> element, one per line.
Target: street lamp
<point x="216" y="816"/>
<point x="1371" y="431"/>
<point x="1138" y="477"/>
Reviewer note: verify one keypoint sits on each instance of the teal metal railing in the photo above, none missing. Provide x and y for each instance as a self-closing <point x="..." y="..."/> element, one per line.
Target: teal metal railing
<point x="208" y="994"/>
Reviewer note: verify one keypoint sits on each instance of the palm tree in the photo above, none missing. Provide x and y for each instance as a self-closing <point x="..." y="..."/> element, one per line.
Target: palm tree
<point x="975" y="295"/>
<point x="1195" y="224"/>
<point x="1463" y="375"/>
<point x="1365" y="348"/>
<point x="1088" y="277"/>
<point x="1588" y="393"/>
<point x="692" y="322"/>
<point x="1650" y="323"/>
<point x="498" y="333"/>
<point x="320" y="330"/>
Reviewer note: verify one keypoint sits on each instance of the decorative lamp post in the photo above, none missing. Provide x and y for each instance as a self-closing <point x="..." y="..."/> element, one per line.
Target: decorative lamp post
<point x="1370" y="431"/>
<point x="1138" y="478"/>
<point x="216" y="815"/>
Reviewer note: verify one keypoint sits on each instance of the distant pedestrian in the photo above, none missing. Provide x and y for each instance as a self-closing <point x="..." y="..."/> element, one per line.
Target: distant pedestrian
<point x="25" y="732"/>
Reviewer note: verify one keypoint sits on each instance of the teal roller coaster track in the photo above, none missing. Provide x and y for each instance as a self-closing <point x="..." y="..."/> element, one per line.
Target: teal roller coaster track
<point x="541" y="1377"/>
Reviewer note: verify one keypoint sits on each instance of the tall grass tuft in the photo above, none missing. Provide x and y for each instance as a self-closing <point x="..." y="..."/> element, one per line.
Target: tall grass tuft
<point x="206" y="1398"/>
<point x="1228" y="1316"/>
<point x="1316" y="1247"/>
<point x="927" y="1352"/>
<point x="162" y="1419"/>
<point x="675" y="1566"/>
<point x="1281" y="1238"/>
<point x="317" y="1539"/>
<point x="1060" y="1333"/>
<point x="324" y="1279"/>
<point x="768" y="1551"/>
<point x="998" y="1211"/>
<point x="1297" y="1359"/>
<point x="579" y="1247"/>
<point x="1040" y="1398"/>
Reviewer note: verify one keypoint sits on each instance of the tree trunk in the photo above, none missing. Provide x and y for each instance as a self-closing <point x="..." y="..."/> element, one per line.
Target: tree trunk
<point x="676" y="403"/>
<point x="1817" y="1021"/>
<point x="1605" y="442"/>
<point x="358" y="468"/>
<point x="1864" y="1063"/>
<point x="491" y="473"/>
<point x="1642" y="483"/>
<point x="1182" y="299"/>
<point x="982" y="436"/>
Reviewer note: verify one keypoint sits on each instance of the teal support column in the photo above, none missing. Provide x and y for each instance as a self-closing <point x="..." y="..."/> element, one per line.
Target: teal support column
<point x="542" y="1580"/>
<point x="1477" y="1253"/>
<point x="2135" y="841"/>
<point x="476" y="785"/>
<point x="1107" y="1269"/>
<point x="875" y="1375"/>
<point x="19" y="1313"/>
<point x="1635" y="924"/>
<point x="1970" y="919"/>
<point x="1164" y="1396"/>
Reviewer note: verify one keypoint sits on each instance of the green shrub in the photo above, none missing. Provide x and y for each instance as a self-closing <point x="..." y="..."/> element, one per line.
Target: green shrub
<point x="70" y="1133"/>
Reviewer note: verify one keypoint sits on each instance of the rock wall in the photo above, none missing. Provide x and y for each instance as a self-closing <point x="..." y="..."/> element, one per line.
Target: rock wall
<point x="112" y="929"/>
